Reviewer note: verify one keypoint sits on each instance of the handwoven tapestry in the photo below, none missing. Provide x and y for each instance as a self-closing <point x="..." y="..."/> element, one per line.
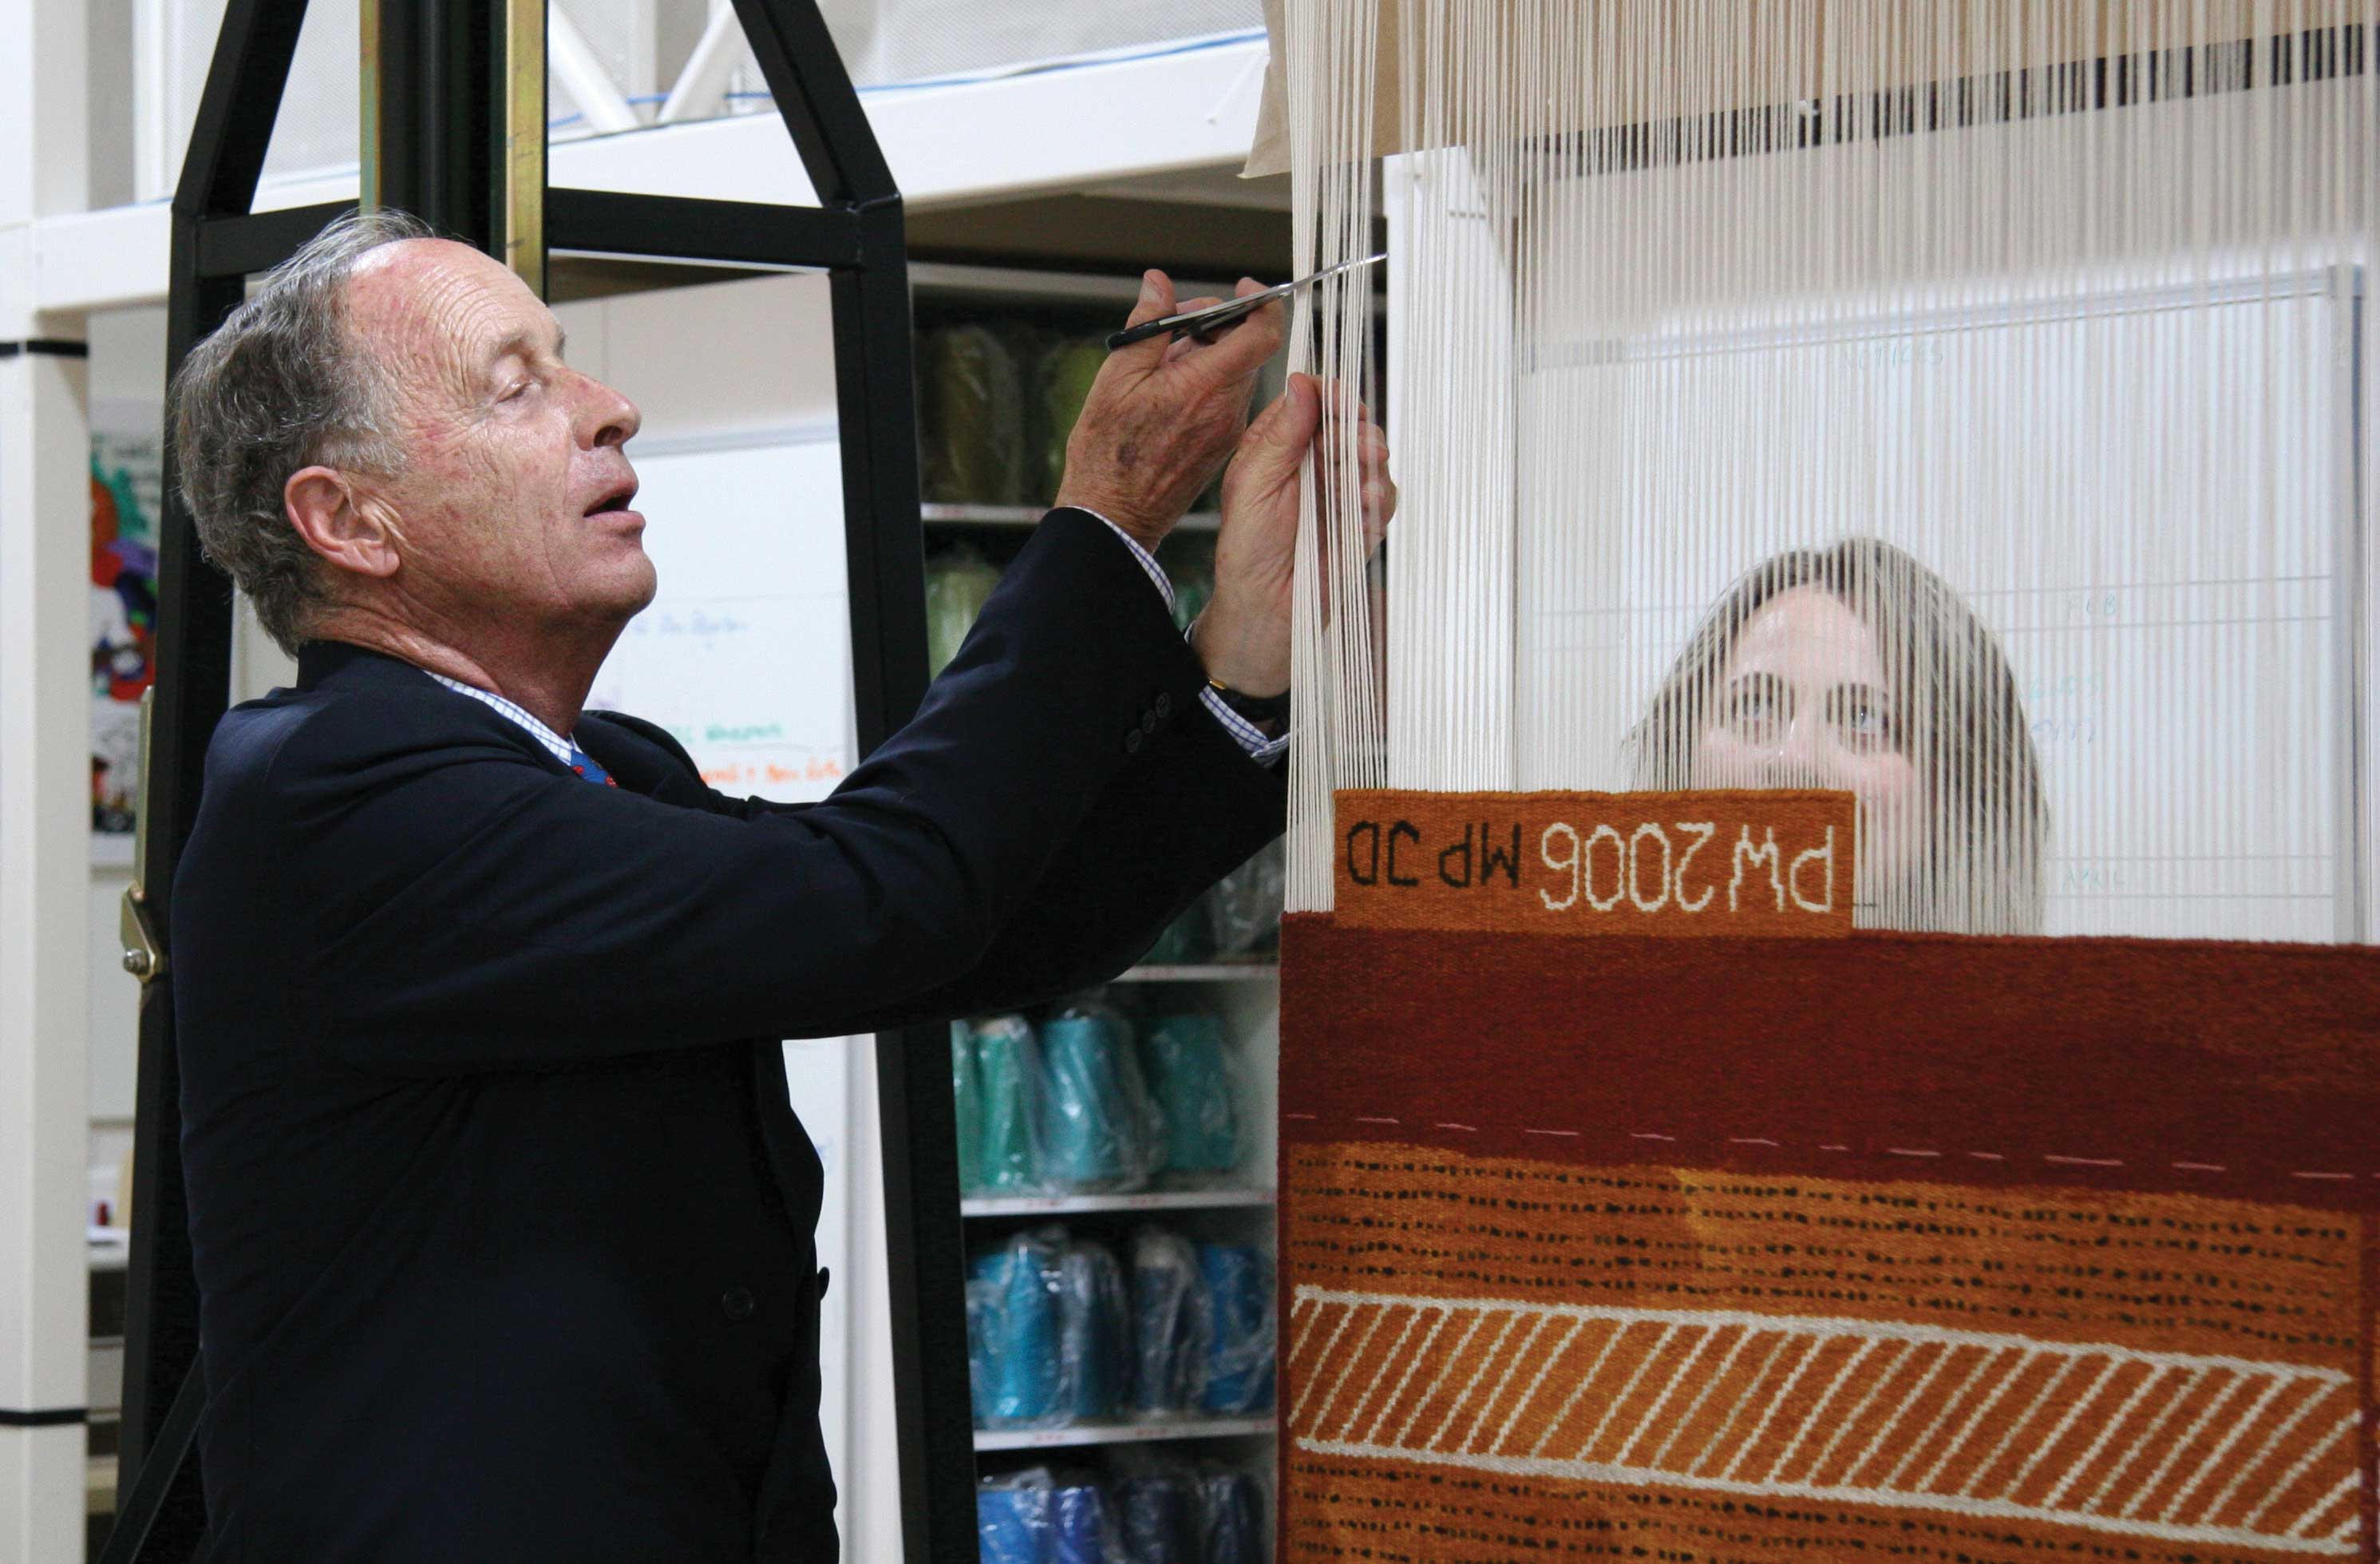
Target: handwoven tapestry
<point x="1831" y="1010"/>
<point x="1907" y="1247"/>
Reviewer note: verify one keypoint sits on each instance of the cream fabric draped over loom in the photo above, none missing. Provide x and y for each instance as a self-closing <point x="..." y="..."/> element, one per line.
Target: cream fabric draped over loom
<point x="1963" y="404"/>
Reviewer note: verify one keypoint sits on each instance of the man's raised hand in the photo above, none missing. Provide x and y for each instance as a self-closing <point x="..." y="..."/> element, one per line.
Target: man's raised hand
<point x="1164" y="415"/>
<point x="1243" y="637"/>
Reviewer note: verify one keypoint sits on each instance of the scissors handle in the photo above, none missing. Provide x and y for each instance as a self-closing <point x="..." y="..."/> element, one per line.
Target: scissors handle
<point x="1197" y="321"/>
<point x="1141" y="333"/>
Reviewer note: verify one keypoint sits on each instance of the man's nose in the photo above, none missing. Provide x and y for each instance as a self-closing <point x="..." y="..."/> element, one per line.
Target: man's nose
<point x="613" y="419"/>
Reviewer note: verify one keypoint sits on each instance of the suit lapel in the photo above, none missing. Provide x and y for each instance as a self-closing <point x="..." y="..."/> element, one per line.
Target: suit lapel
<point x="641" y="765"/>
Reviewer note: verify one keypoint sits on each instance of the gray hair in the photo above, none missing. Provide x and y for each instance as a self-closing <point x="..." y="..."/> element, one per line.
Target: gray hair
<point x="282" y="386"/>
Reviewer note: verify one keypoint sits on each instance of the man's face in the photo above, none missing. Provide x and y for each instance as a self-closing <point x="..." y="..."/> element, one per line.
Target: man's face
<point x="514" y="499"/>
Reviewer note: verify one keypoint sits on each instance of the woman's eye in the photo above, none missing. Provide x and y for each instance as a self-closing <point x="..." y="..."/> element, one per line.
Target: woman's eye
<point x="1862" y="720"/>
<point x="1752" y="710"/>
<point x="519" y="390"/>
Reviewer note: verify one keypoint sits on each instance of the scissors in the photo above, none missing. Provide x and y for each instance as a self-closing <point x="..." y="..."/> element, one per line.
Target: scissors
<point x="1203" y="323"/>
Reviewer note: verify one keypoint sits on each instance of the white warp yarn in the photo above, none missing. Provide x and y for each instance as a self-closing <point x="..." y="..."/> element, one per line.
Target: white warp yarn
<point x="1965" y="403"/>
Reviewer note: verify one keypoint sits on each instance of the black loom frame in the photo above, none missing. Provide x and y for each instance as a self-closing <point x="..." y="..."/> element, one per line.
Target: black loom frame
<point x="441" y="136"/>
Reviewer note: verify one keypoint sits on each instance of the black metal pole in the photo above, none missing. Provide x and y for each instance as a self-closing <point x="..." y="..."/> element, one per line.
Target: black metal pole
<point x="439" y="74"/>
<point x="925" y="1244"/>
<point x="161" y="1345"/>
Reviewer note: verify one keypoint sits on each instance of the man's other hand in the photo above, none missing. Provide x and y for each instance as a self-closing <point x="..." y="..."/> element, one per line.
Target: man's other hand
<point x="1242" y="638"/>
<point x="1163" y="415"/>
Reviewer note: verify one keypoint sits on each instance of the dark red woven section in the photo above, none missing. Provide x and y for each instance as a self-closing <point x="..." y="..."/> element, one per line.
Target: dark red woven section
<point x="2250" y="1071"/>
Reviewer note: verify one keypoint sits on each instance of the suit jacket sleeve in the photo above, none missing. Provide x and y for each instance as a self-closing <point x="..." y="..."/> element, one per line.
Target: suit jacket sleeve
<point x="1188" y="810"/>
<point x="493" y="914"/>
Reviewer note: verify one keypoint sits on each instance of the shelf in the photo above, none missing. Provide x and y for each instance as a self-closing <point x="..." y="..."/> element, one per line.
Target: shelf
<point x="1028" y="515"/>
<point x="1120" y="1433"/>
<point x="1143" y="1200"/>
<point x="1213" y="971"/>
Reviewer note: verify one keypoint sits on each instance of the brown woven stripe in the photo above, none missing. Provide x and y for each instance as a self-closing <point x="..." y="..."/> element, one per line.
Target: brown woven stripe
<point x="2166" y="1375"/>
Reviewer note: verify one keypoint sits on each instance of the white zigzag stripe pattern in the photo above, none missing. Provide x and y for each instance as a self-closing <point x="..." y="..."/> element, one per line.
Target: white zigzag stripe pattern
<point x="2176" y="1446"/>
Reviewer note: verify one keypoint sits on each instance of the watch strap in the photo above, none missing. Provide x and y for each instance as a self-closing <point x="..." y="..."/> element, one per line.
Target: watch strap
<point x="1256" y="708"/>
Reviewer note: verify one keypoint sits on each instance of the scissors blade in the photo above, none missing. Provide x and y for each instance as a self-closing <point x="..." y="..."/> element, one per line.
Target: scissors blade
<point x="1197" y="322"/>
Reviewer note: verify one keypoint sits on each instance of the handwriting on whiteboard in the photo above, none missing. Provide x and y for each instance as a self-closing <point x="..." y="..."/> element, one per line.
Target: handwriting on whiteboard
<point x="766" y="775"/>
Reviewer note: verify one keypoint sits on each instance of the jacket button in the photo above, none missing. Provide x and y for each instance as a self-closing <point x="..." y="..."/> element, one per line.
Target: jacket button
<point x="1164" y="705"/>
<point x="1132" y="740"/>
<point x="1148" y="720"/>
<point x="737" y="1303"/>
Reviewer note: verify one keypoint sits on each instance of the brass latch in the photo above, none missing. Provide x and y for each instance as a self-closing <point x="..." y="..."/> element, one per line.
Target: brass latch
<point x="144" y="954"/>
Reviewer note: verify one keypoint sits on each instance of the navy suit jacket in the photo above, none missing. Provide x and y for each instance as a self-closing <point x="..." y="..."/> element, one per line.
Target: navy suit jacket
<point x="502" y="1220"/>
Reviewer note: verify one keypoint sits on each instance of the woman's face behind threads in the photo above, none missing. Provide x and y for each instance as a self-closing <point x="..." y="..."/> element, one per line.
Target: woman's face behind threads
<point x="1803" y="702"/>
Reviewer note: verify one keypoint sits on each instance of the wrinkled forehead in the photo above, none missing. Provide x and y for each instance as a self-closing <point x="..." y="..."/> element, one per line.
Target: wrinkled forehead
<point x="435" y="308"/>
<point x="1807" y="636"/>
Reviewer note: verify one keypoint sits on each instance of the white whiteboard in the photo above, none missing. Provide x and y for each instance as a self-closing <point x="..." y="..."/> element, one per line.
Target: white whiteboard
<point x="745" y="655"/>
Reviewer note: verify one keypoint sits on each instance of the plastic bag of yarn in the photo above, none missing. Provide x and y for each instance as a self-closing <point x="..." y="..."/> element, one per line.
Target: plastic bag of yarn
<point x="1038" y="1516"/>
<point x="970" y="417"/>
<point x="1169" y="1329"/>
<point x="1182" y="1055"/>
<point x="1015" y="1518"/>
<point x="1159" y="1515"/>
<point x="966" y="1102"/>
<point x="1008" y="1085"/>
<point x="958" y="582"/>
<point x="1015" y="1369"/>
<point x="1063" y="383"/>
<point x="1082" y="1529"/>
<point x="1238" y="1278"/>
<point x="984" y="1317"/>
<point x="1100" y="1129"/>
<point x="1094" y="1334"/>
<point x="1243" y="908"/>
<point x="1232" y="1517"/>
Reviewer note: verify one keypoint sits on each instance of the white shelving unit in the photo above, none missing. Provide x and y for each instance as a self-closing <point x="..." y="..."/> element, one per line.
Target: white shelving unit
<point x="1246" y="993"/>
<point x="1212" y="972"/>
<point x="1120" y="1432"/>
<point x="1143" y="1200"/>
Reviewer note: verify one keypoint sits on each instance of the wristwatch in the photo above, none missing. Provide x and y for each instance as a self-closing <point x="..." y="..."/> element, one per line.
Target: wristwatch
<point x="1257" y="709"/>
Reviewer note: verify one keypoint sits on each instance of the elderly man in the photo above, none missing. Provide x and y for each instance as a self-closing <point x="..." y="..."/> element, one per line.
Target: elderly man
<point x="503" y="1219"/>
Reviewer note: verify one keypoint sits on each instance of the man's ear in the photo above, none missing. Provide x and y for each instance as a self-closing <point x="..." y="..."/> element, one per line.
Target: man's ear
<point x="340" y="522"/>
